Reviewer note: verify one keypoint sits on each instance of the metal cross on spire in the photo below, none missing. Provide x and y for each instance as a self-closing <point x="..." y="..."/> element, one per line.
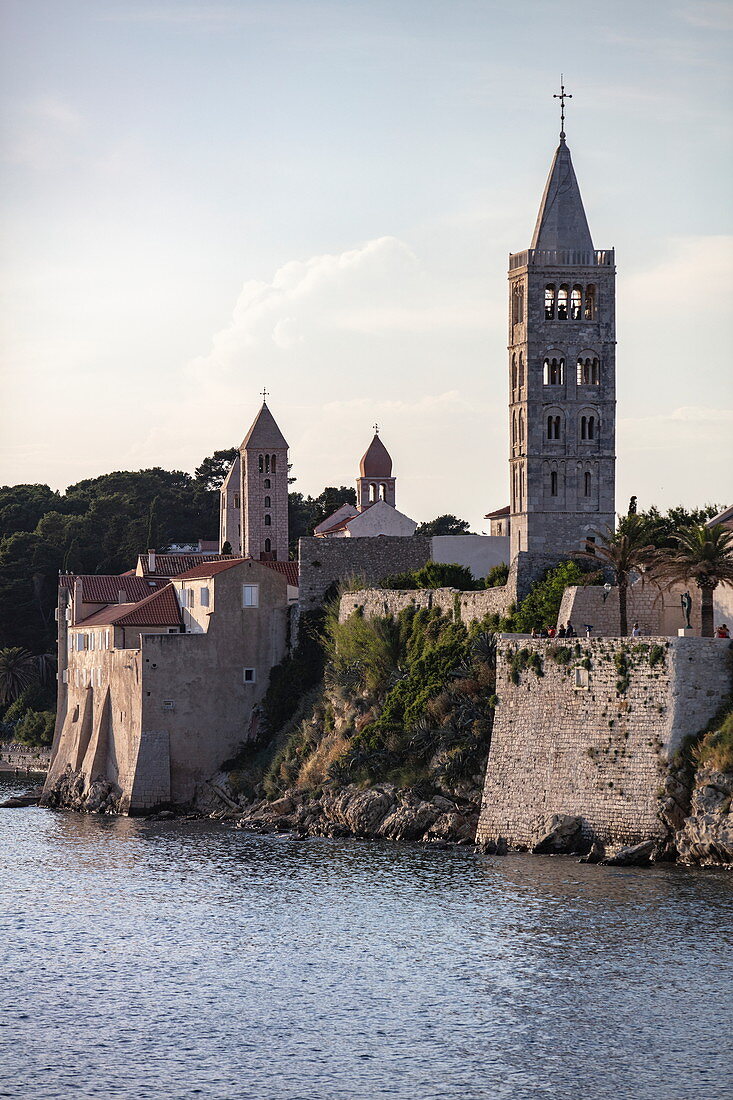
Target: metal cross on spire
<point x="562" y="97"/>
<point x="265" y="394"/>
<point x="376" y="429"/>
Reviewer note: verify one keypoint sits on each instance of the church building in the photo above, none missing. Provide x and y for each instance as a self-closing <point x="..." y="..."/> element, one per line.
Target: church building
<point x="562" y="376"/>
<point x="375" y="512"/>
<point x="254" y="495"/>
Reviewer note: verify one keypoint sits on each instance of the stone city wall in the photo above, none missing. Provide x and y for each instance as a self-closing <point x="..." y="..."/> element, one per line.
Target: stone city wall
<point x="324" y="562"/>
<point x="466" y="606"/>
<point x="26" y="758"/>
<point x="591" y="738"/>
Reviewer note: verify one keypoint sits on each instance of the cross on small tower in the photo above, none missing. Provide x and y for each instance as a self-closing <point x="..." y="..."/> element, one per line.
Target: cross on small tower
<point x="562" y="97"/>
<point x="264" y="395"/>
<point x="376" y="429"/>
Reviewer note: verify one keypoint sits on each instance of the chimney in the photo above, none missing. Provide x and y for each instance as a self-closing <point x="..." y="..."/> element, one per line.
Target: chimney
<point x="77" y="601"/>
<point x="121" y="596"/>
<point x="151" y="561"/>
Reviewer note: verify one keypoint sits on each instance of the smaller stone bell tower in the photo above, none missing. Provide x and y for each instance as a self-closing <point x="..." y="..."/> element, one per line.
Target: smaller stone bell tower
<point x="375" y="481"/>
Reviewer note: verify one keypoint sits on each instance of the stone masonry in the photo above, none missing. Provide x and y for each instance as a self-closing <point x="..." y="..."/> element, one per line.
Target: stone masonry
<point x="593" y="735"/>
<point x="324" y="562"/>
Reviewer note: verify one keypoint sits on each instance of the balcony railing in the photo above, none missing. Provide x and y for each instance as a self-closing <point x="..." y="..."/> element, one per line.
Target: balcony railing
<point x="562" y="257"/>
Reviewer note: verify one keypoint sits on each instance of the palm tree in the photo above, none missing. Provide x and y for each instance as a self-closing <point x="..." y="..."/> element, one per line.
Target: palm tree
<point x="703" y="555"/>
<point x="17" y="671"/>
<point x="627" y="550"/>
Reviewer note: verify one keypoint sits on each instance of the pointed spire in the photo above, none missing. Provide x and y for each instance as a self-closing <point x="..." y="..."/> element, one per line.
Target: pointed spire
<point x="264" y="432"/>
<point x="561" y="222"/>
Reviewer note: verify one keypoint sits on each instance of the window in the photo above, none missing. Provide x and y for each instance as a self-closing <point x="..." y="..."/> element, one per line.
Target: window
<point x="517" y="303"/>
<point x="65" y="676"/>
<point x="521" y="430"/>
<point x="236" y="501"/>
<point x="553" y="483"/>
<point x="382" y="491"/>
<point x="553" y="427"/>
<point x="586" y="484"/>
<point x="589" y="371"/>
<point x="590" y="302"/>
<point x="274" y="463"/>
<point x="267" y="483"/>
<point x="562" y="302"/>
<point x="514" y="372"/>
<point x="549" y="301"/>
<point x="261" y="463"/>
<point x="587" y="427"/>
<point x="576" y="303"/>
<point x="204" y="597"/>
<point x="267" y="464"/>
<point x="582" y="678"/>
<point x="268" y="502"/>
<point x="268" y="546"/>
<point x="372" y="493"/>
<point x="521" y="370"/>
<point x="106" y="639"/>
<point x="268" y="520"/>
<point x="250" y="675"/>
<point x="554" y="372"/>
<point x="250" y="595"/>
<point x="92" y="639"/>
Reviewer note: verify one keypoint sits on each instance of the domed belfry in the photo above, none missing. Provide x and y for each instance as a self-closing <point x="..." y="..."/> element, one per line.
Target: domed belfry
<point x="375" y="481"/>
<point x="562" y="375"/>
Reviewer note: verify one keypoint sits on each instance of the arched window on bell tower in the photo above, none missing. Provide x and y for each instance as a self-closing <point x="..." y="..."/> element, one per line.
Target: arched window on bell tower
<point x="550" y="302"/>
<point x="562" y="302"/>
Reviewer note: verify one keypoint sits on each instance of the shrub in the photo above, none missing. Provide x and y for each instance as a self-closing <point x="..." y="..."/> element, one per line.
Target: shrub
<point x="497" y="576"/>
<point x="36" y="727"/>
<point x="716" y="748"/>
<point x="435" y="575"/>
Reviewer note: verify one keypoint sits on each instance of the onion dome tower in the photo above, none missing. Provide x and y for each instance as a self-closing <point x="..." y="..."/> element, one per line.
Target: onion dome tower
<point x="375" y="481"/>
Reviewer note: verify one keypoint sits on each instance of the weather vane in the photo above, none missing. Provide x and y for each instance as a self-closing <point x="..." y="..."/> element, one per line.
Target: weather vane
<point x="265" y="394"/>
<point x="562" y="97"/>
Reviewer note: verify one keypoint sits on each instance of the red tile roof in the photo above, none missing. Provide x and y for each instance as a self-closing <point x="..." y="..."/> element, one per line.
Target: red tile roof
<point x="172" y="565"/>
<point x="288" y="569"/>
<point x="499" y="512"/>
<point x="105" y="588"/>
<point x="208" y="569"/>
<point x="158" y="609"/>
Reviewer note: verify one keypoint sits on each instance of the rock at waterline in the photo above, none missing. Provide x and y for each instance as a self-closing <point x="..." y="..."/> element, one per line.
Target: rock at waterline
<point x="561" y="834"/>
<point x="637" y="855"/>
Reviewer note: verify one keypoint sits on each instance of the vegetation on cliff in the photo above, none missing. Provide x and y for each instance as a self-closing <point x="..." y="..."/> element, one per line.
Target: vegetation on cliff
<point x="406" y="700"/>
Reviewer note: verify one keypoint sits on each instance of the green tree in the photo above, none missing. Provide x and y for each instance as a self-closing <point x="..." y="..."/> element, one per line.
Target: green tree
<point x="18" y="670"/>
<point x="703" y="555"/>
<point x="669" y="524"/>
<point x="444" y="525"/>
<point x="213" y="470"/>
<point x="541" y="606"/>
<point x="627" y="550"/>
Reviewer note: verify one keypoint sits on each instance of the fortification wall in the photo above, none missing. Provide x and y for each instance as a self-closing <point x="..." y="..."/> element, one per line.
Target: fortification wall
<point x="324" y="562"/>
<point x="466" y="606"/>
<point x="588" y="738"/>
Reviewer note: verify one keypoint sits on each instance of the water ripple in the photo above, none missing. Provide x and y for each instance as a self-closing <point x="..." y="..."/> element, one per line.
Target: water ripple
<point x="182" y="959"/>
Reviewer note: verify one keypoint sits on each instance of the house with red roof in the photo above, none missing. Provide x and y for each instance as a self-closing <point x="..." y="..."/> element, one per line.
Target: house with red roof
<point x="155" y="693"/>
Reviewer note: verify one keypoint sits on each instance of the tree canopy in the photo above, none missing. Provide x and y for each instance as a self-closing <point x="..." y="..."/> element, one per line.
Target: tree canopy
<point x="444" y="525"/>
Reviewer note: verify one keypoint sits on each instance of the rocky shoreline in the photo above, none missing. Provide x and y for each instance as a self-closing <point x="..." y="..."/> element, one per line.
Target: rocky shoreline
<point x="698" y="823"/>
<point x="381" y="813"/>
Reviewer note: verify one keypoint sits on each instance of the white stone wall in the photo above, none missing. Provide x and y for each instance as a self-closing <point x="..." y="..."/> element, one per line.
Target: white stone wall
<point x="479" y="553"/>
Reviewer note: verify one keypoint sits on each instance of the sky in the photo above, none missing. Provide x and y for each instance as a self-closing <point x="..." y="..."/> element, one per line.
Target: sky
<point x="200" y="200"/>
